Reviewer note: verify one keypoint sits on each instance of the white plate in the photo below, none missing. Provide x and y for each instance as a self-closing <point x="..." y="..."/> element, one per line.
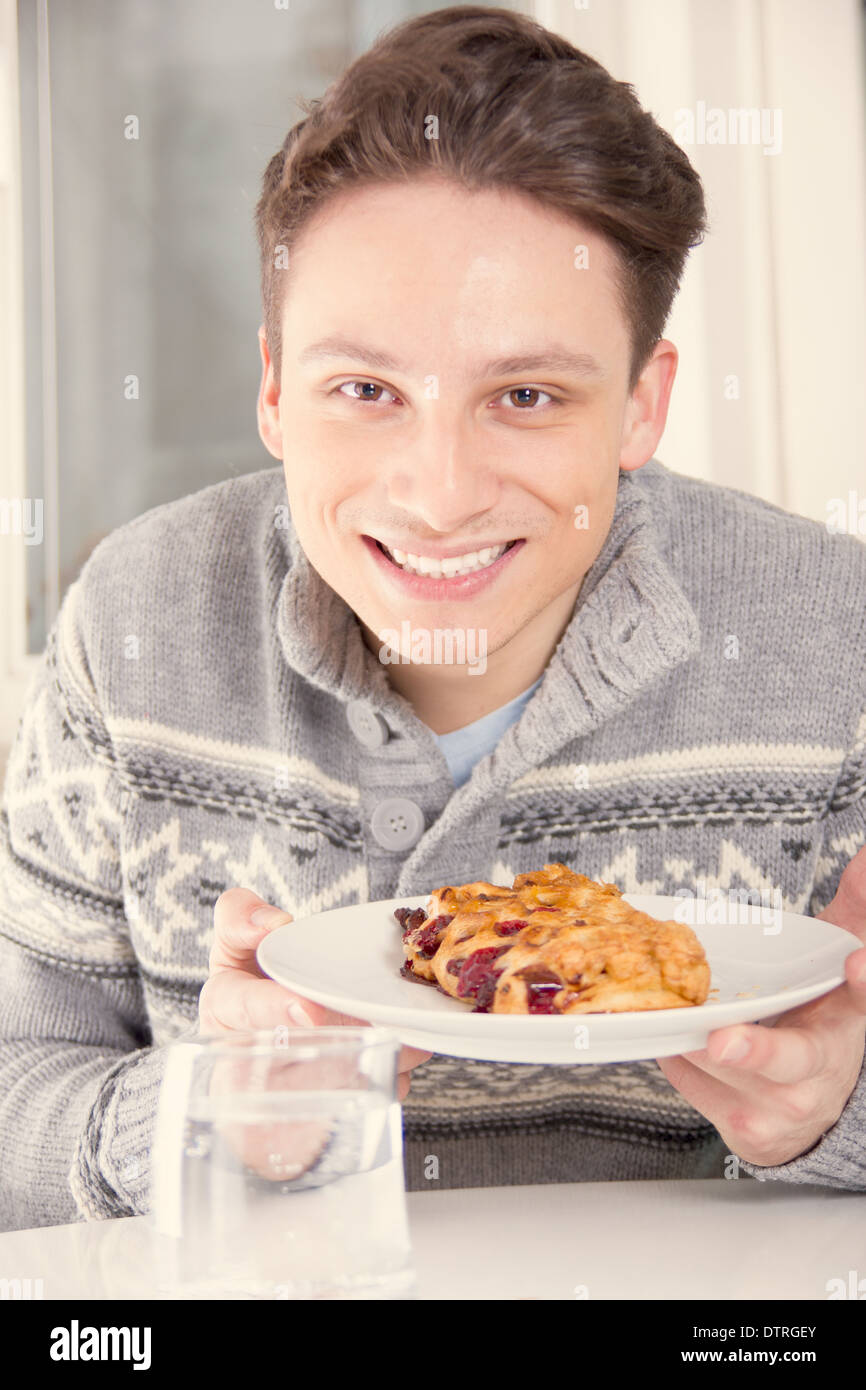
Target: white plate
<point x="349" y="959"/>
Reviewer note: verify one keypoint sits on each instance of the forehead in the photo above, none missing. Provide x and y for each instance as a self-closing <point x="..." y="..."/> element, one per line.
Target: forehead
<point x="451" y="264"/>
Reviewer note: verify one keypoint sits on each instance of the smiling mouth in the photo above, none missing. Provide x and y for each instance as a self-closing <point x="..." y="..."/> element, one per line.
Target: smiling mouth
<point x="432" y="568"/>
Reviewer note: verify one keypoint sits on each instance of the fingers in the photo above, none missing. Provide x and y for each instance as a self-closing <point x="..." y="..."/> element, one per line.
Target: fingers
<point x="805" y="1043"/>
<point x="750" y="1124"/>
<point x="232" y="1000"/>
<point x="774" y="1102"/>
<point x="236" y="937"/>
<point x="411" y="1057"/>
<point x="783" y="1055"/>
<point x="764" y="1123"/>
<point x="319" y="1016"/>
<point x="855" y="974"/>
<point x="238" y="995"/>
<point x="700" y="1089"/>
<point x="280" y="1152"/>
<point x="848" y="908"/>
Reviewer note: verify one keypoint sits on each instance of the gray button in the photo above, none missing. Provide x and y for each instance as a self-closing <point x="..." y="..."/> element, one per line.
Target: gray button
<point x="397" y="823"/>
<point x="368" y="727"/>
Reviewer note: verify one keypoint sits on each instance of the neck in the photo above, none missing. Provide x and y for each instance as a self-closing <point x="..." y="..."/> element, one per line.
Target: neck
<point x="447" y="697"/>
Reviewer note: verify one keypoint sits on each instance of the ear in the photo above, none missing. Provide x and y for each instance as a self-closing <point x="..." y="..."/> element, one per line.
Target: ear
<point x="268" y="407"/>
<point x="647" y="408"/>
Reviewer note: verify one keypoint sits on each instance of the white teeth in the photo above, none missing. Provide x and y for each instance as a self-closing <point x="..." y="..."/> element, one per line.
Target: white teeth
<point x="457" y="564"/>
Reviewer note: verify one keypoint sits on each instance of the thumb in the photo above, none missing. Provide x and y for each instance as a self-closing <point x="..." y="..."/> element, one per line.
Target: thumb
<point x="848" y="908"/>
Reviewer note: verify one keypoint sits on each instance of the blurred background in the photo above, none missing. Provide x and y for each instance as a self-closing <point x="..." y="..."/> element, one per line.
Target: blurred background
<point x="133" y="139"/>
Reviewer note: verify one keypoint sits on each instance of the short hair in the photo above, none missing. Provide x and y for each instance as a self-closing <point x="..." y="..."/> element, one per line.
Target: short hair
<point x="518" y="108"/>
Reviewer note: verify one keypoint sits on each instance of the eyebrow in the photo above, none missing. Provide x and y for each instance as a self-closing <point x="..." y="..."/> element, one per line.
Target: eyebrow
<point x="552" y="358"/>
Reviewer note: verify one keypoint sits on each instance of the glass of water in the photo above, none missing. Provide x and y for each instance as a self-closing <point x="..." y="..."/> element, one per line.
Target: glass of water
<point x="277" y="1167"/>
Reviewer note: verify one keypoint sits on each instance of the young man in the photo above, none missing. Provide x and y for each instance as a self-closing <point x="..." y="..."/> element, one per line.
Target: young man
<point x="469" y="251"/>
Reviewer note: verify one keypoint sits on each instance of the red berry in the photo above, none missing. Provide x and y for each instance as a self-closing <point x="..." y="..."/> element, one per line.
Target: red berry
<point x="426" y="942"/>
<point x="410" y="918"/>
<point x="477" y="968"/>
<point x="509" y="927"/>
<point x="541" y="986"/>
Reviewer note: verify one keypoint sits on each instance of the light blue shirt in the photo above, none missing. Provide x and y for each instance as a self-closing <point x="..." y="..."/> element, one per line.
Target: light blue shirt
<point x="463" y="748"/>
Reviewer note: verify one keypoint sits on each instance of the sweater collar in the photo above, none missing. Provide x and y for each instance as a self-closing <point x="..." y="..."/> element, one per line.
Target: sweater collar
<point x="632" y="623"/>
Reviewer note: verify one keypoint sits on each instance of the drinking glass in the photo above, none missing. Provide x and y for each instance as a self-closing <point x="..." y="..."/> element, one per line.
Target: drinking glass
<point x="277" y="1167"/>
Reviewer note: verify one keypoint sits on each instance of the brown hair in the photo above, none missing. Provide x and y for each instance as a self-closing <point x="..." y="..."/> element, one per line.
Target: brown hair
<point x="518" y="108"/>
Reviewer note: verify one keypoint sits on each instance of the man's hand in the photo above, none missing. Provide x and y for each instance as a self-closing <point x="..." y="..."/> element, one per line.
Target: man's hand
<point x="238" y="996"/>
<point x="793" y="1080"/>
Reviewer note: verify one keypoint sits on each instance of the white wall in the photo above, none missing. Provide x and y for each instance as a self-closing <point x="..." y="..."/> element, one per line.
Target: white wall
<point x="776" y="294"/>
<point x="14" y="667"/>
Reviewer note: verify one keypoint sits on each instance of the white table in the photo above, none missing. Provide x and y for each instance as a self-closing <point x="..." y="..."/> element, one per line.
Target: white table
<point x="710" y="1239"/>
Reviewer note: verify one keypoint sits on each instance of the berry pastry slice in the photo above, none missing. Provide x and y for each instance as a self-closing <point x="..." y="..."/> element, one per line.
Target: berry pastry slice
<point x="556" y="942"/>
<point x="471" y="953"/>
<point x="561" y="963"/>
<point x="558" y="886"/>
<point x="423" y="929"/>
<point x="627" y="961"/>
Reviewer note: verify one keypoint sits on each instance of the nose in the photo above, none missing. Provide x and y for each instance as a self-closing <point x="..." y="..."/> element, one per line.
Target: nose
<point x="445" y="475"/>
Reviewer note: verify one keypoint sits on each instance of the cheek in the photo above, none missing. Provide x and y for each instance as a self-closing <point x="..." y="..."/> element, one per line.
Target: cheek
<point x="594" y="517"/>
<point x="319" y="476"/>
<point x="587" y="501"/>
<point x="326" y="462"/>
<point x="578" y="545"/>
<point x="309" y="502"/>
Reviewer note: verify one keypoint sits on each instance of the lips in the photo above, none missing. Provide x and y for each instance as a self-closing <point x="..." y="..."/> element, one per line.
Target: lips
<point x="440" y="589"/>
<point x="445" y="567"/>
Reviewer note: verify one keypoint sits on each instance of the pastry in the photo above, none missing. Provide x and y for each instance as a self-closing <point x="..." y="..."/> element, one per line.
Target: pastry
<point x="555" y="942"/>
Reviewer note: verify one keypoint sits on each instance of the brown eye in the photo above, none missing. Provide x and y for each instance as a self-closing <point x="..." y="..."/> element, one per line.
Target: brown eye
<point x="367" y="390"/>
<point x="526" y="397"/>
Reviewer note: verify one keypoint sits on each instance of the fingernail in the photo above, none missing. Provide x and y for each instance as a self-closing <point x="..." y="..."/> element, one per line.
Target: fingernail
<point x="735" y="1050"/>
<point x="268" y="917"/>
<point x="298" y="1015"/>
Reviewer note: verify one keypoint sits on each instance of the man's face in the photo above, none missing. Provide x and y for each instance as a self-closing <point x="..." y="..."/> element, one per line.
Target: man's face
<point x="402" y="424"/>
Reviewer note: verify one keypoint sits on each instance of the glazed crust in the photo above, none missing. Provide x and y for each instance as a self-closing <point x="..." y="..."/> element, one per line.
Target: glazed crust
<point x="556" y="942"/>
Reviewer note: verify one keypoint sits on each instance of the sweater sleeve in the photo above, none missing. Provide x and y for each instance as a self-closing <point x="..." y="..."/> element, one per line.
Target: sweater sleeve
<point x="839" y="1157"/>
<point x="79" y="1077"/>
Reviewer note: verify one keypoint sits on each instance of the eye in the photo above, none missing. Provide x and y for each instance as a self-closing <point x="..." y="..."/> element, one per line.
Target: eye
<point x="372" y="385"/>
<point x="525" y="391"/>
